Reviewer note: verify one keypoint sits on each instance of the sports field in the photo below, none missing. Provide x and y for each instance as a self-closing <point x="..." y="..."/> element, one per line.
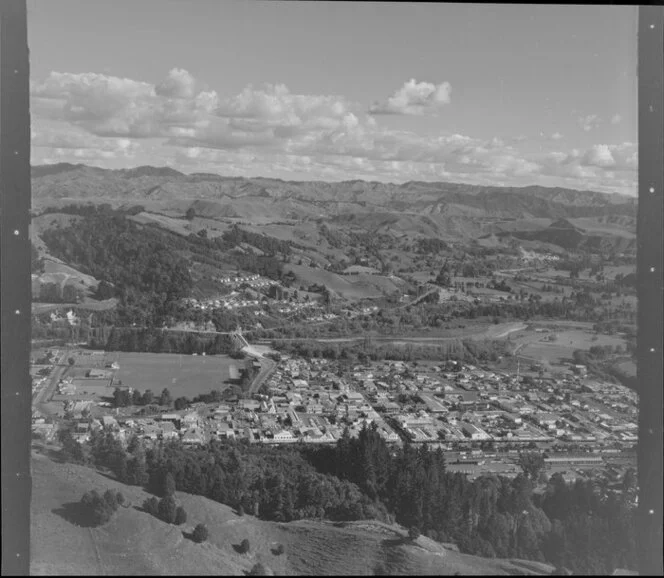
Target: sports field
<point x="566" y="342"/>
<point x="183" y="375"/>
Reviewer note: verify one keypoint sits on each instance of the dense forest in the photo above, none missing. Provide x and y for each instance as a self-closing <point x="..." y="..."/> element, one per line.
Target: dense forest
<point x="578" y="526"/>
<point x="139" y="265"/>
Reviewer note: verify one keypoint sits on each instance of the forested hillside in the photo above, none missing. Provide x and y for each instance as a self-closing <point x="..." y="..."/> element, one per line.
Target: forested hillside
<point x="586" y="529"/>
<point x="148" y="268"/>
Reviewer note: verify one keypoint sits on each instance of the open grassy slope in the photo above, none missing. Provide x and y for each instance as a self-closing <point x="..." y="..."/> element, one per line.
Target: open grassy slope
<point x="350" y="287"/>
<point x="135" y="543"/>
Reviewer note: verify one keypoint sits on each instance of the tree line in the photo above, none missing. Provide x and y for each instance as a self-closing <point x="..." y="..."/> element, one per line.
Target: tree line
<point x="467" y="350"/>
<point x="579" y="526"/>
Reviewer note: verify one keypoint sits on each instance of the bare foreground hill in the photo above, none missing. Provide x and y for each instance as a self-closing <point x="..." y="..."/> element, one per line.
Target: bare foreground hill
<point x="136" y="543"/>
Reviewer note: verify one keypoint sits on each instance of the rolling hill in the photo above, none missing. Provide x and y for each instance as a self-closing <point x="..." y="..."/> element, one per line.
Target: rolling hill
<point x="317" y="197"/>
<point x="325" y="223"/>
<point x="432" y="210"/>
<point x="135" y="543"/>
<point x="567" y="235"/>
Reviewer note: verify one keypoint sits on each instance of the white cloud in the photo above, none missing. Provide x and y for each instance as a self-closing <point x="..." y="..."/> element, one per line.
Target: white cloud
<point x="616" y="119"/>
<point x="178" y="84"/>
<point x="622" y="157"/>
<point x="414" y="98"/>
<point x="110" y="121"/>
<point x="65" y="137"/>
<point x="599" y="156"/>
<point x="602" y="167"/>
<point x="274" y="105"/>
<point x="120" y="107"/>
<point x="590" y="122"/>
<point x="556" y="136"/>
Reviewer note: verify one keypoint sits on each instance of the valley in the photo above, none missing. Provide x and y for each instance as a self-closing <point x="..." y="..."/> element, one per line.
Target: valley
<point x="196" y="313"/>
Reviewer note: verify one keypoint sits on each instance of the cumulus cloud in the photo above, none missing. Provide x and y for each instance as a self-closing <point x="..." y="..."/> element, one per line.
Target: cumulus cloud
<point x="590" y="122"/>
<point x="273" y="107"/>
<point x="414" y="98"/>
<point x="67" y="139"/>
<point x="108" y="106"/>
<point x="599" y="156"/>
<point x="601" y="167"/>
<point x="178" y="84"/>
<point x="120" y="107"/>
<point x="269" y="130"/>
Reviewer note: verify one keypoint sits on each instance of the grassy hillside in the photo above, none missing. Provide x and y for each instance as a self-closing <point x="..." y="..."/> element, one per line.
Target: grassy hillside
<point x="320" y="198"/>
<point x="348" y="287"/>
<point x="135" y="543"/>
<point x="432" y="210"/>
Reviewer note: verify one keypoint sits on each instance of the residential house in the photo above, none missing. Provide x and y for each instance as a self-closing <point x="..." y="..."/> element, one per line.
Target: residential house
<point x="193" y="436"/>
<point x="190" y="420"/>
<point x="167" y="431"/>
<point x="474" y="433"/>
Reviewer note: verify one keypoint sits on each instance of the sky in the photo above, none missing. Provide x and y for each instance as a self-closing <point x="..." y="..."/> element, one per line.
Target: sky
<point x="489" y="94"/>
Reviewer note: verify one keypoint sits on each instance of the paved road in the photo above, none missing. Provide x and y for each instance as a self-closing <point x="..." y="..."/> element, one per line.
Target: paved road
<point x="267" y="367"/>
<point x="42" y="397"/>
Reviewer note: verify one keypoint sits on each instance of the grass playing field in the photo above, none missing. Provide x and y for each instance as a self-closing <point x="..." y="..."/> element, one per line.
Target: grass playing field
<point x="183" y="375"/>
<point x="566" y="342"/>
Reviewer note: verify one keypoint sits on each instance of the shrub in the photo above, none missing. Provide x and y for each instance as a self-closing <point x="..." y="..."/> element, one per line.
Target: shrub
<point x="168" y="486"/>
<point x="166" y="509"/>
<point x="180" y="516"/>
<point x="258" y="570"/>
<point x="99" y="509"/>
<point x="111" y="499"/>
<point x="279" y="550"/>
<point x="151" y="506"/>
<point x="380" y="570"/>
<point x="244" y="546"/>
<point x="413" y="533"/>
<point x="200" y="533"/>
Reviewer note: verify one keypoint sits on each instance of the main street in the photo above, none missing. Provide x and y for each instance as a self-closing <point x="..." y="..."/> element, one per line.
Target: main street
<point x="267" y="367"/>
<point x="42" y="397"/>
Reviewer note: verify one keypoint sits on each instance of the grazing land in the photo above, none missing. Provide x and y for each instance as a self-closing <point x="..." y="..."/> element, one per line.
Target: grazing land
<point x="136" y="543"/>
<point x="179" y="226"/>
<point x="348" y="287"/>
<point x="105" y="305"/>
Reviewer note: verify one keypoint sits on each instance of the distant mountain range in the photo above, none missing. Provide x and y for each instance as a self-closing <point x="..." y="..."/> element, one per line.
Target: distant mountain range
<point x="430" y="209"/>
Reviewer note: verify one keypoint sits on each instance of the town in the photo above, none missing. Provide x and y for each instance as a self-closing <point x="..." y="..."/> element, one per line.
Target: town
<point x="482" y="418"/>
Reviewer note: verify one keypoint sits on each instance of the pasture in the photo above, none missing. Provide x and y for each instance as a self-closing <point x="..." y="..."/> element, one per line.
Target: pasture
<point x="182" y="375"/>
<point x="88" y="305"/>
<point x="560" y="350"/>
<point x="134" y="542"/>
<point x="179" y="226"/>
<point x="349" y="287"/>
